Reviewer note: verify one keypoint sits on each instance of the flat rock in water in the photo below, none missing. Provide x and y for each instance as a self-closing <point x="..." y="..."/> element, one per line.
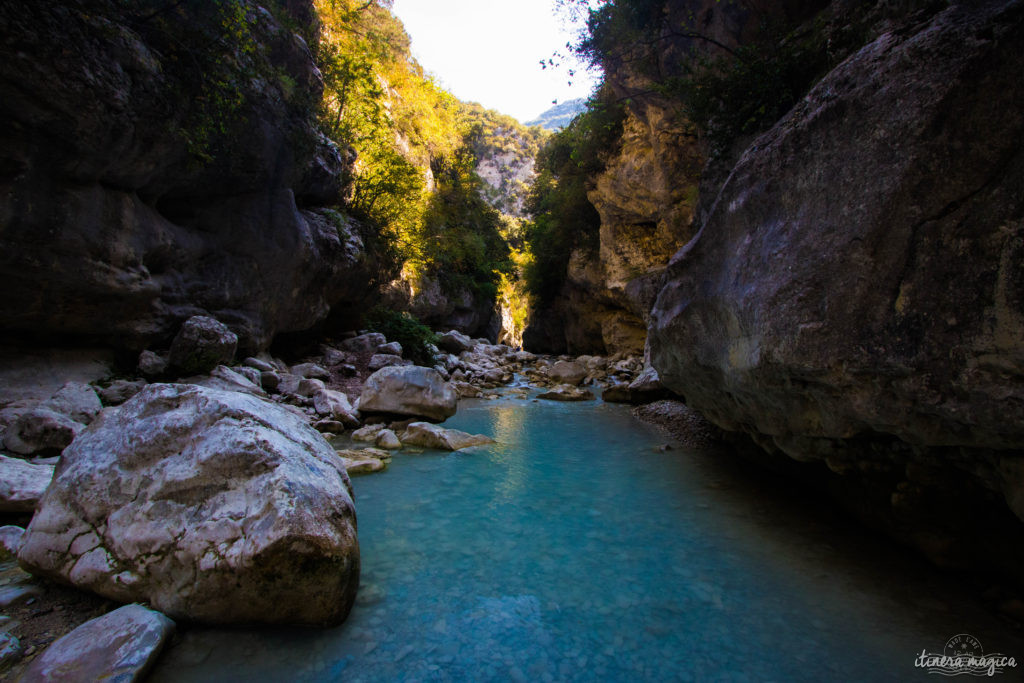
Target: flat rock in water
<point x="388" y="440"/>
<point x="409" y="390"/>
<point x="565" y="392"/>
<point x="213" y="506"/>
<point x="119" y="646"/>
<point x="362" y="461"/>
<point x="428" y="435"/>
<point x="22" y="484"/>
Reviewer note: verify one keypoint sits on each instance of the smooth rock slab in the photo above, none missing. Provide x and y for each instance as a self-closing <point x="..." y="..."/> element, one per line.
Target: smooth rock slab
<point x="22" y="484"/>
<point x="119" y="647"/>
<point x="428" y="435"/>
<point x="409" y="390"/>
<point x="213" y="506"/>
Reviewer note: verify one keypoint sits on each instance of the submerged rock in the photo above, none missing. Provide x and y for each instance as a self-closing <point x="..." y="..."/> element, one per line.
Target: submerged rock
<point x="426" y="435"/>
<point x="409" y="390"/>
<point x="119" y="646"/>
<point x="22" y="484"/>
<point x="213" y="506"/>
<point x="566" y="392"/>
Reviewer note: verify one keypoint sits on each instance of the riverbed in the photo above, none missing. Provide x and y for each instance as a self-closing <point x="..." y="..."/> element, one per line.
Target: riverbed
<point x="578" y="548"/>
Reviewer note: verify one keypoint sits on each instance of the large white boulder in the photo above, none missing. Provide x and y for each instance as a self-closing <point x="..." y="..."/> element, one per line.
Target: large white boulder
<point x="409" y="390"/>
<point x="211" y="505"/>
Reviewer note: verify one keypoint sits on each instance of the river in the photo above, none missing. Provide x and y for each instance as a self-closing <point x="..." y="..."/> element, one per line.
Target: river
<point x="576" y="549"/>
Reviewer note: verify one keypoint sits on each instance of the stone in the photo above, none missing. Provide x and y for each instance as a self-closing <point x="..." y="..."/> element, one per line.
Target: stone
<point x="76" y="400"/>
<point x="382" y="360"/>
<point x="41" y="430"/>
<point x="333" y="356"/>
<point x="201" y="344"/>
<point x="347" y="370"/>
<point x="120" y="390"/>
<point x="368" y="433"/>
<point x="647" y="388"/>
<point x="617" y="393"/>
<point x="455" y="342"/>
<point x="121" y="645"/>
<point x="251" y="374"/>
<point x="22" y="484"/>
<point x="329" y="426"/>
<point x="226" y="379"/>
<point x="409" y="390"/>
<point x="467" y="390"/>
<point x="270" y="380"/>
<point x="152" y="364"/>
<point x="10" y="538"/>
<point x="362" y="461"/>
<point x="364" y="343"/>
<point x="311" y="371"/>
<point x="390" y="349"/>
<point x="258" y="364"/>
<point x="311" y="387"/>
<point x="335" y="405"/>
<point x="427" y="435"/>
<point x="567" y="372"/>
<point x="288" y="384"/>
<point x="212" y="506"/>
<point x="387" y="440"/>
<point x="566" y="392"/>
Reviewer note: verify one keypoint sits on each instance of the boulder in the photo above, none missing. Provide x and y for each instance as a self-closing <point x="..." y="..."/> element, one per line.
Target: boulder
<point x="364" y="343"/>
<point x="335" y="405"/>
<point x="152" y="364"/>
<point x="41" y="430"/>
<point x="567" y="372"/>
<point x="311" y="387"/>
<point x="211" y="505"/>
<point x="426" y="435"/>
<point x="76" y="400"/>
<point x="333" y="356"/>
<point x="258" y="364"/>
<point x="566" y="392"/>
<point x="388" y="440"/>
<point x="201" y="344"/>
<point x="22" y="484"/>
<point x="10" y="538"/>
<point x="455" y="342"/>
<point x="617" y="393"/>
<point x="119" y="646"/>
<point x="409" y="390"/>
<point x="251" y="374"/>
<point x="120" y="390"/>
<point x="368" y="433"/>
<point x="390" y="349"/>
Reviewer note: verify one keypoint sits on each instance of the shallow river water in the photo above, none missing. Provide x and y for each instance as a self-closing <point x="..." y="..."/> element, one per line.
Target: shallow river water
<point x="574" y="549"/>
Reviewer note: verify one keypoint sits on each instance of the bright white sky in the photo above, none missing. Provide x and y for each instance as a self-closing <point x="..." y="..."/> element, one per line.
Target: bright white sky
<point x="489" y="51"/>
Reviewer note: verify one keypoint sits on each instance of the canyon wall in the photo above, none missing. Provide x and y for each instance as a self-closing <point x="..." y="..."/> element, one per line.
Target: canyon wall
<point x="852" y="297"/>
<point x="161" y="161"/>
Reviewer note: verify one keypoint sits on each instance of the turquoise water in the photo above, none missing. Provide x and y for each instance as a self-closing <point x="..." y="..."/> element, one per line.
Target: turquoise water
<point x="574" y="549"/>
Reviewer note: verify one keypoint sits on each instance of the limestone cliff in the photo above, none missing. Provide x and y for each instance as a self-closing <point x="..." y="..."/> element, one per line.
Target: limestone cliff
<point x="852" y="296"/>
<point x="159" y="161"/>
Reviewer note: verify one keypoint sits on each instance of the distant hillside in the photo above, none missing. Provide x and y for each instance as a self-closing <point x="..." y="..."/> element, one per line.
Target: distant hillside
<point x="560" y="115"/>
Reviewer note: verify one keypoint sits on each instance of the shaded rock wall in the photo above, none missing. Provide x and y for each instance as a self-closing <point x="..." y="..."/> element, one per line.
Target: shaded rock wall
<point x="853" y="295"/>
<point x="159" y="161"/>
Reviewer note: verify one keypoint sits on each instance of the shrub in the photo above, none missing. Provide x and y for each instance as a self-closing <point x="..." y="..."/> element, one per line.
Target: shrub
<point x="405" y="329"/>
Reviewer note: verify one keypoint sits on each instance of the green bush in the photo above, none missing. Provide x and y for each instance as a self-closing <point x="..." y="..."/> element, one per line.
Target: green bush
<point x="405" y="329"/>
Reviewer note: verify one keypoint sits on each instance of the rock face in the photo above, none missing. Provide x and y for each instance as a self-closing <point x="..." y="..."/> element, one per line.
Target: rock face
<point x="136" y="191"/>
<point x="212" y="506"/>
<point x="853" y="293"/>
<point x="409" y="390"/>
<point x="119" y="646"/>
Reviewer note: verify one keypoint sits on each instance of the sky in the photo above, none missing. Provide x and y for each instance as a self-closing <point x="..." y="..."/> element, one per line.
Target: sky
<point x="489" y="51"/>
